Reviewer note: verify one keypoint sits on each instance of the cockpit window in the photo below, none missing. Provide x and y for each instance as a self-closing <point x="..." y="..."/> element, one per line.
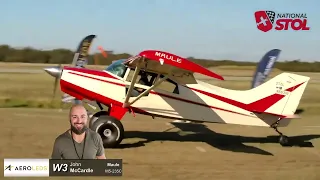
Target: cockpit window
<point x="117" y="68"/>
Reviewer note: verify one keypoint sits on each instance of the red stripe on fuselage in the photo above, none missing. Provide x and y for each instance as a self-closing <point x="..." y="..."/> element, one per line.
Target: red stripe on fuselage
<point x="119" y="84"/>
<point x="82" y="93"/>
<point x="91" y="71"/>
<point x="258" y="106"/>
<point x="192" y="102"/>
<point x="152" y="92"/>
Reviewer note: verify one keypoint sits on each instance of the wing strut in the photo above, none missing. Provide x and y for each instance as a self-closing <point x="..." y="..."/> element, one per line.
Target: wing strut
<point x="148" y="90"/>
<point x="126" y="102"/>
<point x="133" y="81"/>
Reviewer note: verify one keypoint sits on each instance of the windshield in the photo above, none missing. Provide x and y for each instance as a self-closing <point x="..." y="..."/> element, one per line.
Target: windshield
<point x="117" y="68"/>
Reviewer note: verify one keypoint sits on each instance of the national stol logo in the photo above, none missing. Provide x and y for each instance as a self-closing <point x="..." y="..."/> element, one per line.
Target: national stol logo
<point x="25" y="168"/>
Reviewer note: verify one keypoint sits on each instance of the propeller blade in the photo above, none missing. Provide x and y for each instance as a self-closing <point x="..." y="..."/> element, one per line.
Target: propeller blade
<point x="55" y="87"/>
<point x="57" y="78"/>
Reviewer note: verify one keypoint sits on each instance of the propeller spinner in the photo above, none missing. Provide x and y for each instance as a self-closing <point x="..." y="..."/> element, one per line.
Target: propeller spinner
<point x="54" y="72"/>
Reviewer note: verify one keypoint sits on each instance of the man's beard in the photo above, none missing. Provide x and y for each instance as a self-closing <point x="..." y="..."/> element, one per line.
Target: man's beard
<point x="78" y="131"/>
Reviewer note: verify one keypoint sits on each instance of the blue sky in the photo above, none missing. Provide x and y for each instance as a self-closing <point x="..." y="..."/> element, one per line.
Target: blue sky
<point x="215" y="29"/>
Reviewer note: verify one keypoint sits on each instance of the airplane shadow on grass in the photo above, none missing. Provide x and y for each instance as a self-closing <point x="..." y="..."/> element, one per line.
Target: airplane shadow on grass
<point x="201" y="133"/>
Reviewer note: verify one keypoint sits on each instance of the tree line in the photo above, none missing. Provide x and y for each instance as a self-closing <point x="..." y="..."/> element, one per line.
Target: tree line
<point x="65" y="56"/>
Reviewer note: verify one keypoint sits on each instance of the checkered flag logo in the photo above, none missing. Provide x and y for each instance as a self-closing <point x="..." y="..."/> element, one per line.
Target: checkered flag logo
<point x="271" y="15"/>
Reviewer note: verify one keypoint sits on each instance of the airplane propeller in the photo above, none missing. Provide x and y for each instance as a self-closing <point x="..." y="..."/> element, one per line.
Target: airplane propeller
<point x="56" y="73"/>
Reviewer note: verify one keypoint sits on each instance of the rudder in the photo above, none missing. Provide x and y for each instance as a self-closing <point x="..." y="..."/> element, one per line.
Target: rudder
<point x="279" y="96"/>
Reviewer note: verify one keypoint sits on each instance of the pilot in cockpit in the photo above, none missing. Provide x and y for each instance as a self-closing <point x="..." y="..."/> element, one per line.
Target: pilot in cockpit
<point x="143" y="81"/>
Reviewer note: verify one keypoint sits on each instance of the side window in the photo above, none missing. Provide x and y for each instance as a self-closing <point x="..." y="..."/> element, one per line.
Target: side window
<point x="117" y="68"/>
<point x="130" y="75"/>
<point x="169" y="86"/>
<point x="143" y="78"/>
<point x="149" y="78"/>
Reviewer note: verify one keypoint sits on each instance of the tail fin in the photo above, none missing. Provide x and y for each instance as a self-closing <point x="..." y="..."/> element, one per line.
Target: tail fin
<point x="286" y="91"/>
<point x="80" y="58"/>
<point x="265" y="66"/>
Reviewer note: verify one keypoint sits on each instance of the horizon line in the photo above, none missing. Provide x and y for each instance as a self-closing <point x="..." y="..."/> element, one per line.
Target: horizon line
<point x="98" y="52"/>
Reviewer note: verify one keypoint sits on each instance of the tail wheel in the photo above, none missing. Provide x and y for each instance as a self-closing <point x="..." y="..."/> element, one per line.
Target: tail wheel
<point x="284" y="140"/>
<point x="110" y="129"/>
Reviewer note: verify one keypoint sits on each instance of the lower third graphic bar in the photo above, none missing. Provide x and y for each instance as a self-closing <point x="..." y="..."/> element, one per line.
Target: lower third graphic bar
<point x="91" y="167"/>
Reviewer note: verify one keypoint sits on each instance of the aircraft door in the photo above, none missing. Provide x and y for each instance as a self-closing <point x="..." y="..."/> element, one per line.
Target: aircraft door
<point x="144" y="81"/>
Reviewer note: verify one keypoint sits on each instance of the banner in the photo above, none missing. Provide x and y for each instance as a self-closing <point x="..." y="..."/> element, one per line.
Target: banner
<point x="49" y="167"/>
<point x="264" y="67"/>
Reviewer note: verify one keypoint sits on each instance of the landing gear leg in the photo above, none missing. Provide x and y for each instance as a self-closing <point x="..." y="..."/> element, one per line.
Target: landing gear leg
<point x="283" y="140"/>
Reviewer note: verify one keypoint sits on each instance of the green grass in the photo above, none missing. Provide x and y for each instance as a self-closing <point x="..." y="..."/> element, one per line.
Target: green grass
<point x="28" y="90"/>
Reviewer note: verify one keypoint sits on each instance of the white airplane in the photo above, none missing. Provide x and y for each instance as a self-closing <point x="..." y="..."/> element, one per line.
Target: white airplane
<point x="161" y="84"/>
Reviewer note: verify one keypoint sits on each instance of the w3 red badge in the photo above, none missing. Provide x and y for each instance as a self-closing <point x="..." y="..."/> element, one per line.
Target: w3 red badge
<point x="295" y="21"/>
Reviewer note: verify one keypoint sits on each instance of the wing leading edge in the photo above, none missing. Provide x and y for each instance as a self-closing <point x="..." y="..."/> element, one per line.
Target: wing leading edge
<point x="167" y="62"/>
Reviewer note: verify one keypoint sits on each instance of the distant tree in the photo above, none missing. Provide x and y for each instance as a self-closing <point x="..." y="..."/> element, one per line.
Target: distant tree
<point x="65" y="56"/>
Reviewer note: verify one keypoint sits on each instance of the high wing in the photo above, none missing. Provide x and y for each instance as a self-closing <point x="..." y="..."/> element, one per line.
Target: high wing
<point x="168" y="65"/>
<point x="178" y="68"/>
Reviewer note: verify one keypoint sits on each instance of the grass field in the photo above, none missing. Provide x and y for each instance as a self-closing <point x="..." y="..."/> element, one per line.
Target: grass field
<point x="210" y="151"/>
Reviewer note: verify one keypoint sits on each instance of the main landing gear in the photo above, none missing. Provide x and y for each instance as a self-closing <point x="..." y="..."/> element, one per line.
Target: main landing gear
<point x="109" y="128"/>
<point x="283" y="140"/>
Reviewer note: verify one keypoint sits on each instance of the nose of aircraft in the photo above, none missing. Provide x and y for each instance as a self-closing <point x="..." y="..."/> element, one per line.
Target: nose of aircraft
<point x="53" y="71"/>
